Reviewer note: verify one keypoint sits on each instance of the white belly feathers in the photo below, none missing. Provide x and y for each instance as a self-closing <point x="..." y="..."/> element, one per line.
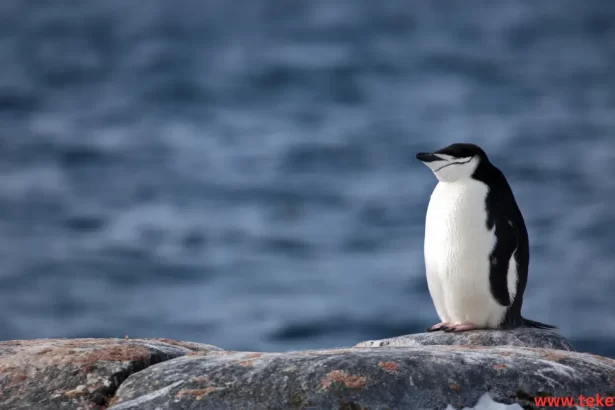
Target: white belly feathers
<point x="457" y="250"/>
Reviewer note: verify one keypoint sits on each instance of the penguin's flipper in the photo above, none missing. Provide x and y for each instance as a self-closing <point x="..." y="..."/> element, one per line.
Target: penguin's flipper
<point x="508" y="235"/>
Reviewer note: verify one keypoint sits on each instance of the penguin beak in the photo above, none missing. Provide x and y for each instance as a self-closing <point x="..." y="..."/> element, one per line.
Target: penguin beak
<point x="428" y="157"/>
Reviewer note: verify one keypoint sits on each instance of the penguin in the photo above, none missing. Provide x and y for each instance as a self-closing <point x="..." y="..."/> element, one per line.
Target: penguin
<point x="476" y="245"/>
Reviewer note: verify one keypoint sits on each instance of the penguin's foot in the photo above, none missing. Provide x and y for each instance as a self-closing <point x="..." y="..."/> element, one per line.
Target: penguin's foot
<point x="461" y="327"/>
<point x="438" y="326"/>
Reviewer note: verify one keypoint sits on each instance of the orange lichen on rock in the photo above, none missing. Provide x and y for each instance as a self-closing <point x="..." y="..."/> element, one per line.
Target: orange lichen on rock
<point x="507" y="353"/>
<point x="117" y="354"/>
<point x="339" y="376"/>
<point x="197" y="354"/>
<point x="59" y="352"/>
<point x="388" y="366"/>
<point x="551" y="355"/>
<point x="249" y="359"/>
<point x="454" y="387"/>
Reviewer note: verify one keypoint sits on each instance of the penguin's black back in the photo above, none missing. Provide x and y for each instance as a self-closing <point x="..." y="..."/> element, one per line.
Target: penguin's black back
<point x="504" y="214"/>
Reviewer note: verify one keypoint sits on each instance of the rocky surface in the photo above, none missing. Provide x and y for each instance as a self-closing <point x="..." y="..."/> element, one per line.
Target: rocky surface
<point x="523" y="337"/>
<point x="77" y="373"/>
<point x="437" y="370"/>
<point x="424" y="377"/>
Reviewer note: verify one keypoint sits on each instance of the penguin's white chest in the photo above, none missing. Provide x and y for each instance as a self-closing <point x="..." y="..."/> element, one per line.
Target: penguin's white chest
<point x="458" y="246"/>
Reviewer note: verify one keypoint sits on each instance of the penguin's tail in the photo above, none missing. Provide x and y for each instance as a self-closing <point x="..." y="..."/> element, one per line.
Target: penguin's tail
<point x="536" y="325"/>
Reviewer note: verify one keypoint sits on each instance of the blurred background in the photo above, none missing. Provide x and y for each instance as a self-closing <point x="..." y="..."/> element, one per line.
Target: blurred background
<point x="242" y="172"/>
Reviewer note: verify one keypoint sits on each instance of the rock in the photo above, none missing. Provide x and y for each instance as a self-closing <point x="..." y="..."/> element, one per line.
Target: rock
<point x="521" y="337"/>
<point x="415" y="377"/>
<point x="487" y="403"/>
<point x="77" y="373"/>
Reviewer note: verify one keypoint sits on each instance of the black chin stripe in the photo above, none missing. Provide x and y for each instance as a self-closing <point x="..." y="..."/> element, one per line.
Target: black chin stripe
<point x="453" y="163"/>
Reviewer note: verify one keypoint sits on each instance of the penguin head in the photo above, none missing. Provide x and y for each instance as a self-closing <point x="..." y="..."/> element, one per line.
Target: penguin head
<point x="455" y="162"/>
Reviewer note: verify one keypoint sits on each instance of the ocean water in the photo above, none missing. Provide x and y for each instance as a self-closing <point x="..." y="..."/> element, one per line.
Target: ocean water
<point x="242" y="172"/>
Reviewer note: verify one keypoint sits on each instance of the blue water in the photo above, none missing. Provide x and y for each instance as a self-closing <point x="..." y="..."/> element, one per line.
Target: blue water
<point x="242" y="173"/>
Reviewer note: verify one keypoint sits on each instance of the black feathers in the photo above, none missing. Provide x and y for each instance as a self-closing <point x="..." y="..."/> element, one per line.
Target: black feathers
<point x="504" y="215"/>
<point x="463" y="150"/>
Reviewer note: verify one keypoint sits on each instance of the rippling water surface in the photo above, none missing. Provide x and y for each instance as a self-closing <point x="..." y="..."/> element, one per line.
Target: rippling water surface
<point x="242" y="173"/>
